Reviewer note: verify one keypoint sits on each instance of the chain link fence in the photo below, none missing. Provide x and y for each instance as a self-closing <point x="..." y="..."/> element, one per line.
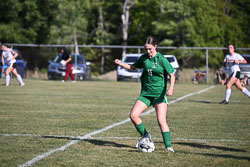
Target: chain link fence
<point x="102" y="56"/>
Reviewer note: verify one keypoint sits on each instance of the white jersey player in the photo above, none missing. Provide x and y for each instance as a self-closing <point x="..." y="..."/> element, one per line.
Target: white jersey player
<point x="233" y="67"/>
<point x="9" y="55"/>
<point x="232" y="60"/>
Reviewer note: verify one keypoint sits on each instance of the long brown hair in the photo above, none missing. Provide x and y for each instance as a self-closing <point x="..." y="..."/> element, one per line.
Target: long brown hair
<point x="151" y="40"/>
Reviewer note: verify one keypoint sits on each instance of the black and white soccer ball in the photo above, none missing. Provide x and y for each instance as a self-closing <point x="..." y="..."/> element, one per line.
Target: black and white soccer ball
<point x="62" y="62"/>
<point x="146" y="145"/>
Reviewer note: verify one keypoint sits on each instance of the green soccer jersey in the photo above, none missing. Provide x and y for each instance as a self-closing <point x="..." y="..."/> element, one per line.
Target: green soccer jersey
<point x="154" y="76"/>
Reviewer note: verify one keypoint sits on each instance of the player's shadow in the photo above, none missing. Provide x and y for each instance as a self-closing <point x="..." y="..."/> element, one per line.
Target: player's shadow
<point x="205" y="146"/>
<point x="107" y="143"/>
<point x="218" y="155"/>
<point x="92" y="141"/>
<point x="215" y="102"/>
<point x="204" y="101"/>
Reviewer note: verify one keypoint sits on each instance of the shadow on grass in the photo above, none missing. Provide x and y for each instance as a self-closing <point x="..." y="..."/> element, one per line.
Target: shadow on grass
<point x="204" y="101"/>
<point x="205" y="146"/>
<point x="107" y="143"/>
<point x="215" y="102"/>
<point x="92" y="141"/>
<point x="218" y="155"/>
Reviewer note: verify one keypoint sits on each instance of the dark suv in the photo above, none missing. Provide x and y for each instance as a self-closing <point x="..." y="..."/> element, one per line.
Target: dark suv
<point x="80" y="68"/>
<point x="245" y="68"/>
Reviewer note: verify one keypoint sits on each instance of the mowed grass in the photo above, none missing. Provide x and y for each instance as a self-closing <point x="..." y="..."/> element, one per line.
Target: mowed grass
<point x="46" y="115"/>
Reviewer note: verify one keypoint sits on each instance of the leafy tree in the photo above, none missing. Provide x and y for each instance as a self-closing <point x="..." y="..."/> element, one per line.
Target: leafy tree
<point x="142" y="15"/>
<point x="180" y="23"/>
<point x="70" y="23"/>
<point x="19" y="21"/>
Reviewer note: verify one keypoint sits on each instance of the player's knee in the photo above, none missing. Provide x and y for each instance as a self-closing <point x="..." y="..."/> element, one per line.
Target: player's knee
<point x="133" y="116"/>
<point x="228" y="86"/>
<point x="239" y="88"/>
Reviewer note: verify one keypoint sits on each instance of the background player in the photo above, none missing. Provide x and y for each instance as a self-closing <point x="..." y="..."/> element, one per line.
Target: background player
<point x="9" y="55"/>
<point x="153" y="89"/>
<point x="232" y="60"/>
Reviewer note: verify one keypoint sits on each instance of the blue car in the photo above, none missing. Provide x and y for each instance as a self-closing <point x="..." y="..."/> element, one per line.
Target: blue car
<point x="20" y="64"/>
<point x="80" y="69"/>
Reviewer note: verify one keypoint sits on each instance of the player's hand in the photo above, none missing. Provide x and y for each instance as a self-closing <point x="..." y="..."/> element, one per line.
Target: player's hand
<point x="116" y="61"/>
<point x="170" y="92"/>
<point x="236" y="62"/>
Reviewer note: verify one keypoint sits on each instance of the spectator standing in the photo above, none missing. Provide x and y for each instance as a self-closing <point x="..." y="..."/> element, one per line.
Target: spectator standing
<point x="10" y="56"/>
<point x="232" y="60"/>
<point x="67" y="60"/>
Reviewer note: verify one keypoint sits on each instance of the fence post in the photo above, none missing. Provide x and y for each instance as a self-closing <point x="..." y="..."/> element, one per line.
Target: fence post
<point x="207" y="64"/>
<point x="139" y="52"/>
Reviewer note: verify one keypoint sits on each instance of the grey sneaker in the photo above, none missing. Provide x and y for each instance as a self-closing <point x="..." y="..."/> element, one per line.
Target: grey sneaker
<point x="170" y="149"/>
<point x="22" y="84"/>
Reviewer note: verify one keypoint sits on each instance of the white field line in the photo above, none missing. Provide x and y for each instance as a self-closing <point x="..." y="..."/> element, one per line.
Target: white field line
<point x="46" y="154"/>
<point x="124" y="138"/>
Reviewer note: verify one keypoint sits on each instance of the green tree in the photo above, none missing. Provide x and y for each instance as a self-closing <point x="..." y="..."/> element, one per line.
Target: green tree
<point x="142" y="15"/>
<point x="19" y="21"/>
<point x="70" y="23"/>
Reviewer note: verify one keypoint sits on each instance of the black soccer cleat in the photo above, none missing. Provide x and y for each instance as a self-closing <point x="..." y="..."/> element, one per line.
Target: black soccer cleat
<point x="224" y="102"/>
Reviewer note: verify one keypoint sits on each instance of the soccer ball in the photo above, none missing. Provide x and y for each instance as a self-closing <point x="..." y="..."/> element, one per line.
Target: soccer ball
<point x="146" y="145"/>
<point x="62" y="62"/>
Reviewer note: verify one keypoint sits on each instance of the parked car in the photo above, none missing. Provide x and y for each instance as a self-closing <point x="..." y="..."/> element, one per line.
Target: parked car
<point x="129" y="75"/>
<point x="245" y="68"/>
<point x="20" y="64"/>
<point x="80" y="69"/>
<point x="173" y="61"/>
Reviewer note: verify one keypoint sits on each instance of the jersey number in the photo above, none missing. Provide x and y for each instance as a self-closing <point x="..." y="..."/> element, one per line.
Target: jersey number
<point x="150" y="72"/>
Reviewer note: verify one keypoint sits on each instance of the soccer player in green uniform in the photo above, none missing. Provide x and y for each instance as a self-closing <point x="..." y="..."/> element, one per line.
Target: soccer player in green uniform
<point x="153" y="89"/>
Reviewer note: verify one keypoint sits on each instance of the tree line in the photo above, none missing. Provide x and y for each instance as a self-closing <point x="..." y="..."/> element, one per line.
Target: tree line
<point x="178" y="23"/>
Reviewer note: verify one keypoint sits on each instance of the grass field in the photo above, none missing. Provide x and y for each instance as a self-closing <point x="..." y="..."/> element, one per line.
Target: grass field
<point x="48" y="123"/>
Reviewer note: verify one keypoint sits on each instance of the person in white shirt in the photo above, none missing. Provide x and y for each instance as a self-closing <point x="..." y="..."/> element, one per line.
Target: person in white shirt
<point x="232" y="60"/>
<point x="9" y="55"/>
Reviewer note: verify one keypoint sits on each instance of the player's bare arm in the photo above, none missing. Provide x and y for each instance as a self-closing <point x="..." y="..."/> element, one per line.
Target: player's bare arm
<point x="2" y="60"/>
<point x="68" y="60"/>
<point x="15" y="54"/>
<point x="2" y="63"/>
<point x="127" y="66"/>
<point x="240" y="61"/>
<point x="171" y="86"/>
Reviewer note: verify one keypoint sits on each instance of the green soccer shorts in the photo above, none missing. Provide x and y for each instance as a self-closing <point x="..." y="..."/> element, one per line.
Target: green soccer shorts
<point x="149" y="100"/>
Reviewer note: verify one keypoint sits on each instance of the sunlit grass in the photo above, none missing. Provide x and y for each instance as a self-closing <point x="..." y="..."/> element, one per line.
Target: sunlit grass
<point x="204" y="133"/>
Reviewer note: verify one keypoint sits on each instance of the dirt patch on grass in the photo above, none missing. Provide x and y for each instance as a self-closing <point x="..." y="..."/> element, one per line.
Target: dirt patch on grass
<point x="111" y="76"/>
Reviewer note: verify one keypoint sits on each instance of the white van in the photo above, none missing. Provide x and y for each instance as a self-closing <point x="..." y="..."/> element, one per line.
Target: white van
<point x="124" y="74"/>
<point x="173" y="61"/>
